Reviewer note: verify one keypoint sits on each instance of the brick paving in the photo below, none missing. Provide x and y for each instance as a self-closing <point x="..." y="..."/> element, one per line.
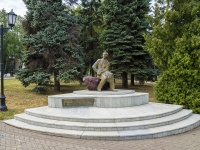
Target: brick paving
<point x="12" y="138"/>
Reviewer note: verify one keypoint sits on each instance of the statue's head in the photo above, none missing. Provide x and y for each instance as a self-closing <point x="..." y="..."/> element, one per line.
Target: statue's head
<point x="105" y="54"/>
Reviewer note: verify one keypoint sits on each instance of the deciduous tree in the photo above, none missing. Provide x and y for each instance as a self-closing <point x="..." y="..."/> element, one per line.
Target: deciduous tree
<point x="12" y="41"/>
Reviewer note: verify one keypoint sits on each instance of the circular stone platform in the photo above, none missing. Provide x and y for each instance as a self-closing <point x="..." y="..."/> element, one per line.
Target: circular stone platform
<point x="115" y="92"/>
<point x="101" y="99"/>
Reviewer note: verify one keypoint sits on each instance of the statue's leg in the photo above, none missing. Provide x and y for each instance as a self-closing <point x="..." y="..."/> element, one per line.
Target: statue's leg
<point x="111" y="81"/>
<point x="101" y="83"/>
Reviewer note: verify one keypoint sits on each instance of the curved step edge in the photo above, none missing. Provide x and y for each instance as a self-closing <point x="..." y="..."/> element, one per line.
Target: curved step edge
<point x="32" y="112"/>
<point x="176" y="128"/>
<point x="119" y="126"/>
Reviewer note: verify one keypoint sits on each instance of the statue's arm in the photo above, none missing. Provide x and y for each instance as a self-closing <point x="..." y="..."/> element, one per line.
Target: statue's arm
<point x="107" y="66"/>
<point x="94" y="66"/>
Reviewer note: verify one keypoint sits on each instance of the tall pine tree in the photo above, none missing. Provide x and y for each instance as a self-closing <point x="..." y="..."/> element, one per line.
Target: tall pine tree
<point x="175" y="46"/>
<point x="122" y="37"/>
<point x="91" y="29"/>
<point x="52" y="44"/>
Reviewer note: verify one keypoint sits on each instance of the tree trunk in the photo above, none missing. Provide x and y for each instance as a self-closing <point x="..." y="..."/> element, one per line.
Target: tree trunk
<point x="132" y="79"/>
<point x="124" y="80"/>
<point x="56" y="82"/>
<point x="91" y="69"/>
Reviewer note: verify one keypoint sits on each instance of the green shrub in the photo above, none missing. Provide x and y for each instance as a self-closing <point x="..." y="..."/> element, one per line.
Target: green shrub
<point x="179" y="86"/>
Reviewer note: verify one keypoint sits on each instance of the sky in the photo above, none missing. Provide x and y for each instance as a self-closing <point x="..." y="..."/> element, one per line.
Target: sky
<point x="18" y="6"/>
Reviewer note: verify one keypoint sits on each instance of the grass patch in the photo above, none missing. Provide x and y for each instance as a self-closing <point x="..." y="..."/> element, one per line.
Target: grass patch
<point x="19" y="98"/>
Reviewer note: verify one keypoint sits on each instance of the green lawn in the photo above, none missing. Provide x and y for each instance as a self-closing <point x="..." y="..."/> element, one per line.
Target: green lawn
<point x="18" y="98"/>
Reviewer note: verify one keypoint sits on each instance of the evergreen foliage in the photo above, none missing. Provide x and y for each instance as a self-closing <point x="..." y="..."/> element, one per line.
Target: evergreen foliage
<point x="122" y="37"/>
<point x="52" y="44"/>
<point x="175" y="46"/>
<point x="91" y="29"/>
<point x="40" y="78"/>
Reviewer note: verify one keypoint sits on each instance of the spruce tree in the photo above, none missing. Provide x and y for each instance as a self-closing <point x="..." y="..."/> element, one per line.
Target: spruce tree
<point x="91" y="29"/>
<point x="52" y="44"/>
<point x="124" y="26"/>
<point x="175" y="46"/>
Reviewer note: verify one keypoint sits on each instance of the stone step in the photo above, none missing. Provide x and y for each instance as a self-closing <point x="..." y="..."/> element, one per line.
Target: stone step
<point x="118" y="126"/>
<point x="175" y="128"/>
<point x="105" y="115"/>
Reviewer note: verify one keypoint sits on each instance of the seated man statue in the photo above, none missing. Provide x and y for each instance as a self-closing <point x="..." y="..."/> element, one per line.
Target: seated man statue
<point x="101" y="67"/>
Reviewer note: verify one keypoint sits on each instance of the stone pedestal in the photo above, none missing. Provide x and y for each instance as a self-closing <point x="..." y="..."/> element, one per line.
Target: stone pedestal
<point x="106" y="115"/>
<point x="101" y="99"/>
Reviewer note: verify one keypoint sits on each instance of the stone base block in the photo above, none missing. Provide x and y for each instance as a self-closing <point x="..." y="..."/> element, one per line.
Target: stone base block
<point x="101" y="99"/>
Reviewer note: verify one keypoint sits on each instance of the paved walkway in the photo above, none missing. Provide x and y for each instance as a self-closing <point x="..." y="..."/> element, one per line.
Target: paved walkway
<point x="12" y="138"/>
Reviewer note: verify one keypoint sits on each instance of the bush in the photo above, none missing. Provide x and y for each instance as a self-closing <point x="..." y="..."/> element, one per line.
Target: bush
<point x="179" y="86"/>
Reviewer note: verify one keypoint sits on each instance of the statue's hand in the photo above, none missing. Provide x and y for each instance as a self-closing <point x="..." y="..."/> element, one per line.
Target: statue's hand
<point x="99" y="72"/>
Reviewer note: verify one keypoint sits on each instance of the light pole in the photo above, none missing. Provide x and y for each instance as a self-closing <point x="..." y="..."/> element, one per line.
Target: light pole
<point x="11" y="16"/>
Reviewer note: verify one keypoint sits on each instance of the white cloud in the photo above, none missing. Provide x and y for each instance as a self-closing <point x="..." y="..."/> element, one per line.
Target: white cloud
<point x="18" y="6"/>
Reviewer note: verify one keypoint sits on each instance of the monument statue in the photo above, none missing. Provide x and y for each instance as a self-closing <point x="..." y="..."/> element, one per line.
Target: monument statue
<point x="101" y="67"/>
